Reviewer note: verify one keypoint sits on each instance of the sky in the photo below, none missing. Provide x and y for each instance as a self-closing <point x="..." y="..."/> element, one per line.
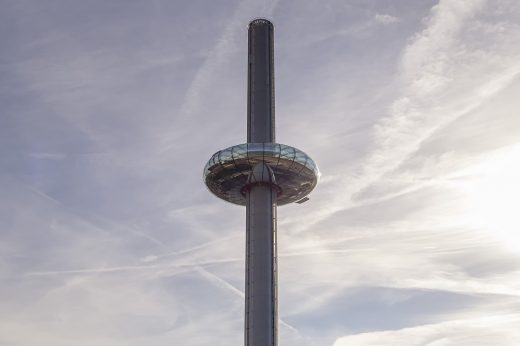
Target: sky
<point x="109" y="111"/>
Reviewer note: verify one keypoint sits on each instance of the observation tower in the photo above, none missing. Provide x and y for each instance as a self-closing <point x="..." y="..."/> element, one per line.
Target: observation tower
<point x="260" y="175"/>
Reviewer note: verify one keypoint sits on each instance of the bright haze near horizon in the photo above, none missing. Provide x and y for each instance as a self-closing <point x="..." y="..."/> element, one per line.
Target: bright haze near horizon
<point x="110" y="110"/>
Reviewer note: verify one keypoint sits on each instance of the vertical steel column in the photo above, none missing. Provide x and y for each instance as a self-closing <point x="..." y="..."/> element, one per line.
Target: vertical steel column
<point x="260" y="82"/>
<point x="261" y="311"/>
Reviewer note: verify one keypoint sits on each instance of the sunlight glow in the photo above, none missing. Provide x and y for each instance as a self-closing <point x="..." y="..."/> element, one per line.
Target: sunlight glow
<point x="492" y="195"/>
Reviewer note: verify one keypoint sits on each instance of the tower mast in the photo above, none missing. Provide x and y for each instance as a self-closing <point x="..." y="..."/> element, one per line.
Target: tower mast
<point x="261" y="175"/>
<point x="261" y="315"/>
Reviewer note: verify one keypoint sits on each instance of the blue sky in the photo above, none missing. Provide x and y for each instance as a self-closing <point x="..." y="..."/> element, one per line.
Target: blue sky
<point x="110" y="109"/>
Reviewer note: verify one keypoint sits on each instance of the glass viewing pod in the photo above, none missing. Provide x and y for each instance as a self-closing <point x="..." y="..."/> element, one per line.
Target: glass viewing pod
<point x="227" y="171"/>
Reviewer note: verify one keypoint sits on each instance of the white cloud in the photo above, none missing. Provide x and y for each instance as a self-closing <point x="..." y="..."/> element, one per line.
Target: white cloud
<point x="496" y="330"/>
<point x="386" y="19"/>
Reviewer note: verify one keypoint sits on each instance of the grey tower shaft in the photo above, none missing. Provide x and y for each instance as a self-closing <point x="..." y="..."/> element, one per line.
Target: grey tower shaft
<point x="261" y="312"/>
<point x="260" y="82"/>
